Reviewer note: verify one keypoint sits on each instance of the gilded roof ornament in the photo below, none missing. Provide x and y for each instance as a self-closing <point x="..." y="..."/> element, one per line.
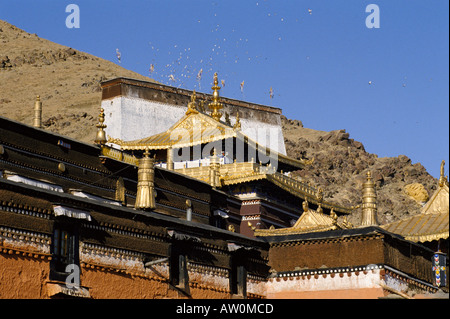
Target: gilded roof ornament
<point x="37" y="121"/>
<point x="334" y="216"/>
<point x="310" y="221"/>
<point x="307" y="162"/>
<point x="319" y="209"/>
<point x="117" y="141"/>
<point x="346" y="223"/>
<point x="145" y="196"/>
<point x="332" y="213"/>
<point x="192" y="106"/>
<point x="305" y="206"/>
<point x="101" y="135"/>
<point x="215" y="105"/>
<point x="214" y="174"/>
<point x="369" y="202"/>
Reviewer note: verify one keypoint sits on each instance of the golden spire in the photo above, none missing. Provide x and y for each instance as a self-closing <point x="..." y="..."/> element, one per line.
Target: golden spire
<point x="170" y="164"/>
<point x="145" y="196"/>
<point x="101" y="135"/>
<point x="214" y="169"/>
<point x="37" y="122"/>
<point x="369" y="203"/>
<point x="215" y="105"/>
<point x="192" y="106"/>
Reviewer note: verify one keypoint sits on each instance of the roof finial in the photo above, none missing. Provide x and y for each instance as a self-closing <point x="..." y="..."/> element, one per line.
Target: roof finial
<point x="214" y="169"/>
<point x="101" y="135"/>
<point x="215" y="105"/>
<point x="369" y="202"/>
<point x="145" y="196"/>
<point x="192" y="106"/>
<point x="305" y="206"/>
<point x="37" y="112"/>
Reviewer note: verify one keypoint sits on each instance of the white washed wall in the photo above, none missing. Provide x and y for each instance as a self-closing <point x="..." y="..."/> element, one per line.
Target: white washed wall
<point x="133" y="118"/>
<point x="129" y="118"/>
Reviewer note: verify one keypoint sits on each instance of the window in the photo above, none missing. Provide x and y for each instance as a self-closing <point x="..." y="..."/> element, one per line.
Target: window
<point x="238" y="277"/>
<point x="219" y="218"/>
<point x="64" y="252"/>
<point x="179" y="276"/>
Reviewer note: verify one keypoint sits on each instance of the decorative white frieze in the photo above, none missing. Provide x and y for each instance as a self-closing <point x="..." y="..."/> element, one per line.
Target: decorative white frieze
<point x="24" y="240"/>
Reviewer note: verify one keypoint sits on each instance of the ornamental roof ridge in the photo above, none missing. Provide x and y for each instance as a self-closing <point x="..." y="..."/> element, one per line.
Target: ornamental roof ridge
<point x="310" y="221"/>
<point x="421" y="227"/>
<point x="439" y="201"/>
<point x="432" y="223"/>
<point x="200" y="128"/>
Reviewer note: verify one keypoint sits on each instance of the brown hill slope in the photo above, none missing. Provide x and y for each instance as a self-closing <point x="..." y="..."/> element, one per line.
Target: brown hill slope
<point x="68" y="82"/>
<point x="340" y="164"/>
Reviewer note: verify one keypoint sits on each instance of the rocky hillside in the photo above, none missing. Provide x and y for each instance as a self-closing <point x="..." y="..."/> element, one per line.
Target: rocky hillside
<point x="340" y="164"/>
<point x="68" y="82"/>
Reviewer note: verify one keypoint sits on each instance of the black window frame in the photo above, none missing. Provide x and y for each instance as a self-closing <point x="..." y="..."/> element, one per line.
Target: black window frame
<point x="64" y="248"/>
<point x="238" y="275"/>
<point x="178" y="272"/>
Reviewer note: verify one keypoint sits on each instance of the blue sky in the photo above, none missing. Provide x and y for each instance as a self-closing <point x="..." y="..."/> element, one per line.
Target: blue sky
<point x="387" y="86"/>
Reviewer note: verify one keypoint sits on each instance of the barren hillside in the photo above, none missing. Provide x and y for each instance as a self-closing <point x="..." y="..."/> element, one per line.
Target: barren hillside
<point x="340" y="164"/>
<point x="68" y="82"/>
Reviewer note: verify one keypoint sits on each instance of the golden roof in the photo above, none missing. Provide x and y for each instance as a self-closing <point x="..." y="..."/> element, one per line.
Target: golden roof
<point x="431" y="223"/>
<point x="421" y="227"/>
<point x="196" y="128"/>
<point x="193" y="128"/>
<point x="438" y="202"/>
<point x="310" y="221"/>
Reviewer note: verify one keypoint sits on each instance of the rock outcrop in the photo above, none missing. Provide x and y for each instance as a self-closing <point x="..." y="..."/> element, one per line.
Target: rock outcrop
<point x="339" y="167"/>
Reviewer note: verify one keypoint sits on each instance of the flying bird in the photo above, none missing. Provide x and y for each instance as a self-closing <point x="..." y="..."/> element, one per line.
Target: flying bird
<point x="118" y="55"/>
<point x="199" y="75"/>
<point x="242" y="87"/>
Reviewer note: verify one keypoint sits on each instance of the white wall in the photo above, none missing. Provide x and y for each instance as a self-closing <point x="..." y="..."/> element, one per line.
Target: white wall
<point x="130" y="118"/>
